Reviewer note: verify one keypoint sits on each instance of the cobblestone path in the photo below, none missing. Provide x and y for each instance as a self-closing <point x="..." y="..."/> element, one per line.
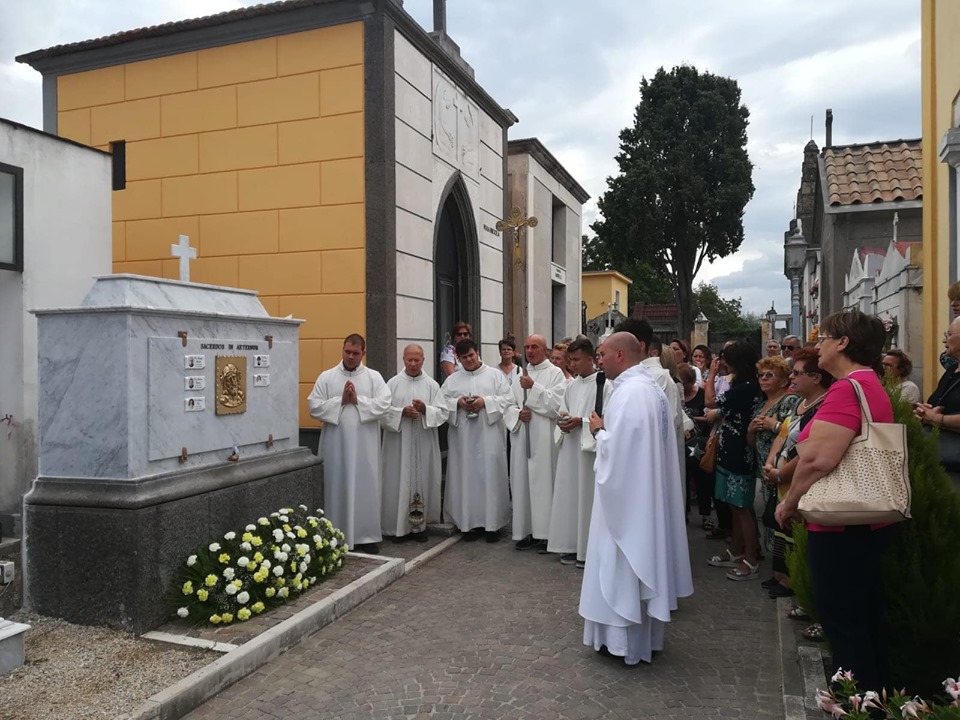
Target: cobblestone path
<point x="484" y="631"/>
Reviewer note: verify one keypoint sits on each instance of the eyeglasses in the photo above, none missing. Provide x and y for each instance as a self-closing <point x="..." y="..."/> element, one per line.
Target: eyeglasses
<point x="826" y="337"/>
<point x="462" y="334"/>
<point x="766" y="375"/>
<point x="789" y="347"/>
<point x="798" y="373"/>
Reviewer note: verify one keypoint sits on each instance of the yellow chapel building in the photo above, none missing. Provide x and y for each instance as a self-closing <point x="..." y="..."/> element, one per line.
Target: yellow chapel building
<point x="330" y="154"/>
<point x="940" y="68"/>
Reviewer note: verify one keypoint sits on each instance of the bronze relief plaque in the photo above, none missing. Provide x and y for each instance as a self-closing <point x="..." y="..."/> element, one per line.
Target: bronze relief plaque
<point x="231" y="389"/>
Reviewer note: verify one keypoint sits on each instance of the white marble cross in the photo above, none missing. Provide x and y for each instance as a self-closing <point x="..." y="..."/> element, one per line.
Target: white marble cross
<point x="186" y="254"/>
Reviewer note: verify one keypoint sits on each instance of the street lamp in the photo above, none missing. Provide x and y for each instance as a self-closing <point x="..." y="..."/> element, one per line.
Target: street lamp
<point x="772" y="320"/>
<point x="794" y="258"/>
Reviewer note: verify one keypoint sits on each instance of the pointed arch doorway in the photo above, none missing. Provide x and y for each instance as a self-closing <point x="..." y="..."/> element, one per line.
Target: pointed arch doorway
<point x="456" y="263"/>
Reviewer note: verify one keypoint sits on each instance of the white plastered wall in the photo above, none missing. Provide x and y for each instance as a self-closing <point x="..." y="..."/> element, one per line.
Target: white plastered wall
<point x="67" y="240"/>
<point x="423" y="170"/>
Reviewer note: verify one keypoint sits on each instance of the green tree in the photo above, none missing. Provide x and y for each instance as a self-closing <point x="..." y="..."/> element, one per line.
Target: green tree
<point x="684" y="180"/>
<point x="725" y="316"/>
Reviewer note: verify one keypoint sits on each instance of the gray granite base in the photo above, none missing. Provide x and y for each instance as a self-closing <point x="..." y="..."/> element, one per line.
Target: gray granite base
<point x="103" y="552"/>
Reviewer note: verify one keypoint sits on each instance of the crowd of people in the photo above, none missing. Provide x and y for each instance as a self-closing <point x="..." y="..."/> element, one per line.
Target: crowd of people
<point x="551" y="444"/>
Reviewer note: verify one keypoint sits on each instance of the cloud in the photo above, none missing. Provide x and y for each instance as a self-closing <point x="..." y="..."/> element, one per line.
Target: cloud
<point x="571" y="70"/>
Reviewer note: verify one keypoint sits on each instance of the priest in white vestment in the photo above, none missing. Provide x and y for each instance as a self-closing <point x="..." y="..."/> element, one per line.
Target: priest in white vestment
<point x="682" y="424"/>
<point x="411" y="450"/>
<point x="537" y="395"/>
<point x="574" y="479"/>
<point x="351" y="400"/>
<point x="477" y="498"/>
<point x="638" y="562"/>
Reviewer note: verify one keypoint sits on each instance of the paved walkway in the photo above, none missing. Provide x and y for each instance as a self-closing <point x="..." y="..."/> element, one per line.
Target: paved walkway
<point x="484" y="631"/>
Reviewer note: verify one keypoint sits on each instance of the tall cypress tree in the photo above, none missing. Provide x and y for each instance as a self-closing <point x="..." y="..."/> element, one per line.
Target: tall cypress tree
<point x="684" y="180"/>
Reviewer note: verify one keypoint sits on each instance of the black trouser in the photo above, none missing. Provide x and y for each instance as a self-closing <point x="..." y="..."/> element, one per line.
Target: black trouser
<point x="724" y="516"/>
<point x="845" y="568"/>
<point x="704" y="482"/>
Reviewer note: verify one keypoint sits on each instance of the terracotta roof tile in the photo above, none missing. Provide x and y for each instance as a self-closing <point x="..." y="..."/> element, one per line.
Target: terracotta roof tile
<point x="656" y="314"/>
<point x="873" y="173"/>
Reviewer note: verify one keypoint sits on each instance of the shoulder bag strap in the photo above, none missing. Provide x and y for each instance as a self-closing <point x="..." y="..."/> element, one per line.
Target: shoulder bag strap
<point x="866" y="417"/>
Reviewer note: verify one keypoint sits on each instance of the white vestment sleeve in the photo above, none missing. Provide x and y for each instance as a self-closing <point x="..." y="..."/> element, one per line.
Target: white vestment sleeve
<point x="545" y="401"/>
<point x="321" y="407"/>
<point x="391" y="418"/>
<point x="511" y="407"/>
<point x="376" y="406"/>
<point x="437" y="411"/>
<point x="450" y="400"/>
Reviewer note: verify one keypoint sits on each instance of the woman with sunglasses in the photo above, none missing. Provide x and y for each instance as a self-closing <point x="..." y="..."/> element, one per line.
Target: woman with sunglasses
<point x="846" y="562"/>
<point x="771" y="410"/>
<point x="449" y="363"/>
<point x="810" y="382"/>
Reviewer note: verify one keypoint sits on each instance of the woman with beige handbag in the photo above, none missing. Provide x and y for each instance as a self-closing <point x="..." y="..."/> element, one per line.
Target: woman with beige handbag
<point x="846" y="560"/>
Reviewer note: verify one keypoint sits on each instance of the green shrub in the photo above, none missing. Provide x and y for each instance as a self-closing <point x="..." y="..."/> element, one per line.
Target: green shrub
<point x="922" y="570"/>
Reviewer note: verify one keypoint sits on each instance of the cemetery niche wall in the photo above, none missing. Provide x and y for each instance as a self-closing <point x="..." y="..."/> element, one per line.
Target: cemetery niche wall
<point x="168" y="416"/>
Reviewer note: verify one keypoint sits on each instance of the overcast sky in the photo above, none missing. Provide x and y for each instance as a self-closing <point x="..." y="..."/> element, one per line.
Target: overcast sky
<point x="570" y="70"/>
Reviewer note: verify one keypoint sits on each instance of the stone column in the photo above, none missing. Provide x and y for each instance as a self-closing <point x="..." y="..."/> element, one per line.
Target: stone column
<point x="701" y="331"/>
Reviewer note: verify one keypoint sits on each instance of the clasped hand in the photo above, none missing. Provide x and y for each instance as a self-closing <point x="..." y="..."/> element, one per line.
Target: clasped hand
<point x="525" y="414"/>
<point x="349" y="394"/>
<point x="927" y="413"/>
<point x="566" y="423"/>
<point x="415" y="409"/>
<point x="470" y="403"/>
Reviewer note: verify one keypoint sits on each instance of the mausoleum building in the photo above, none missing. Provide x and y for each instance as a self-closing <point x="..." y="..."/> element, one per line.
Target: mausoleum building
<point x="331" y="155"/>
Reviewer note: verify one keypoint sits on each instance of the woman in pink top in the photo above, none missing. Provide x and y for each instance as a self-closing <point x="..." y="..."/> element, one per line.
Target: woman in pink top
<point x="845" y="562"/>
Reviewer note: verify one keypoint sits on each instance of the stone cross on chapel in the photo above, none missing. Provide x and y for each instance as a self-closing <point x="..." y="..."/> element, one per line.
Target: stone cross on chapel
<point x="186" y="254"/>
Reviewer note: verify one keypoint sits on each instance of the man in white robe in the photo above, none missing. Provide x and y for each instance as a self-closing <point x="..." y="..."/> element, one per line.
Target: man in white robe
<point x="638" y="562"/>
<point x="574" y="479"/>
<point x="682" y="424"/>
<point x="537" y="395"/>
<point x="477" y="498"/>
<point x="411" y="450"/>
<point x="351" y="400"/>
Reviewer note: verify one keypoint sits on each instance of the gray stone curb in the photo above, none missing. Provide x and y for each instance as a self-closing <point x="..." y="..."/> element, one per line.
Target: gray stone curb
<point x="198" y="687"/>
<point x="801" y="668"/>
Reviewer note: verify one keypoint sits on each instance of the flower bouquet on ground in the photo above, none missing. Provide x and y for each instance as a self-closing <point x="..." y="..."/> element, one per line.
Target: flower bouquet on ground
<point x="264" y="565"/>
<point x="846" y="701"/>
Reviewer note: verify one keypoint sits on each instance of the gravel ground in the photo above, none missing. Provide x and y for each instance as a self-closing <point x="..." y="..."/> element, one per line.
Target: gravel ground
<point x="74" y="672"/>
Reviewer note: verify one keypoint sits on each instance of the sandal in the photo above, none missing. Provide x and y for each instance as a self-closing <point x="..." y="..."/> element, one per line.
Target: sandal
<point x="727" y="559"/>
<point x="813" y="632"/>
<point x="752" y="573"/>
<point x="797" y="613"/>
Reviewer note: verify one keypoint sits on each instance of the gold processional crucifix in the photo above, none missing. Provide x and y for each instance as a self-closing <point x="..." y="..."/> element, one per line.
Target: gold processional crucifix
<point x="514" y="222"/>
